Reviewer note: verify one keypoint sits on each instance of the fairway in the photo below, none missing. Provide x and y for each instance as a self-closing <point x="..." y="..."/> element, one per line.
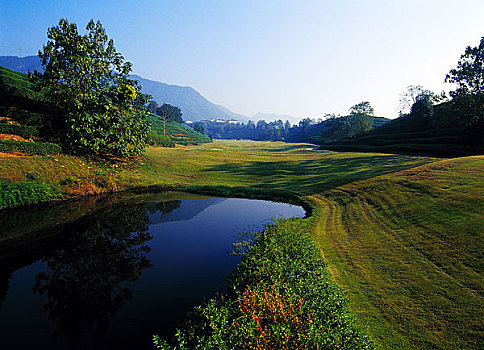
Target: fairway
<point x="402" y="234"/>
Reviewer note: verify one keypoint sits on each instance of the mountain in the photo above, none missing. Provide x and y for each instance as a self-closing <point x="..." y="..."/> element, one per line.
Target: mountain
<point x="270" y="117"/>
<point x="193" y="105"/>
<point x="21" y="64"/>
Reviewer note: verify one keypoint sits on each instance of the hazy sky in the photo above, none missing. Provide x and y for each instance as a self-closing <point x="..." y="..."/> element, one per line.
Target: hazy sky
<point x="303" y="58"/>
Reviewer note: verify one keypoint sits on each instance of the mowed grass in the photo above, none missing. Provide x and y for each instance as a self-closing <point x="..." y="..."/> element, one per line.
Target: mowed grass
<point x="402" y="234"/>
<point x="408" y="247"/>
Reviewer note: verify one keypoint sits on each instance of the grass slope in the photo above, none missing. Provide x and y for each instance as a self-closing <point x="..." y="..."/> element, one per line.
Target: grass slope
<point x="408" y="247"/>
<point x="179" y="133"/>
<point x="401" y="233"/>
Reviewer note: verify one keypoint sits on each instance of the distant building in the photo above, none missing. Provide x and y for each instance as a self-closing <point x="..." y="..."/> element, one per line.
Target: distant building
<point x="233" y="121"/>
<point x="188" y="122"/>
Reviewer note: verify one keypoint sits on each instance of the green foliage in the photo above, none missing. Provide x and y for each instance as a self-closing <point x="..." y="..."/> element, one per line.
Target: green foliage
<point x="160" y="140"/>
<point x="362" y="108"/>
<point x="199" y="128"/>
<point x="21" y="130"/>
<point x="41" y="148"/>
<point x="469" y="74"/>
<point x="278" y="297"/>
<point x="170" y="113"/>
<point x="351" y="125"/>
<point x="467" y="106"/>
<point x="410" y="96"/>
<point x="99" y="109"/>
<point x="15" y="194"/>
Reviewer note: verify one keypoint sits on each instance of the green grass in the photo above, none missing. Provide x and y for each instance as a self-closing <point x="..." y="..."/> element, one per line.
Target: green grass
<point x="408" y="247"/>
<point x="400" y="233"/>
<point x="41" y="148"/>
<point x="15" y="194"/>
<point x="179" y="133"/>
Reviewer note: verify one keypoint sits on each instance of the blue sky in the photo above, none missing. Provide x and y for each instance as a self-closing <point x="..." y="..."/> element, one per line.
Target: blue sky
<point x="304" y="58"/>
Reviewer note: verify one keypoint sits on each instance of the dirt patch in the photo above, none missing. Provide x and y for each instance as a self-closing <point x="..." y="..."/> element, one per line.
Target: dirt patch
<point x="8" y="120"/>
<point x="12" y="155"/>
<point x="10" y="137"/>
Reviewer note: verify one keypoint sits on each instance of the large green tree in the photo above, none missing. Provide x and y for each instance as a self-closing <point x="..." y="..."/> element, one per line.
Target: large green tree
<point x="467" y="105"/>
<point x="97" y="108"/>
<point x="469" y="74"/>
<point x="169" y="113"/>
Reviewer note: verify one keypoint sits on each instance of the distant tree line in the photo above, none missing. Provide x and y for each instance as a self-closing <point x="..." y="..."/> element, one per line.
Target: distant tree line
<point x="359" y="120"/>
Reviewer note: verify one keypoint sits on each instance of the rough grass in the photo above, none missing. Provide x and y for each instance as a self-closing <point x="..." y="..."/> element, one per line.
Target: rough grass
<point x="401" y="233"/>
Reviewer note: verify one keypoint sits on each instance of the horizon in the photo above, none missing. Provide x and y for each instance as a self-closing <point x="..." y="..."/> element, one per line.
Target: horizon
<point x="297" y="59"/>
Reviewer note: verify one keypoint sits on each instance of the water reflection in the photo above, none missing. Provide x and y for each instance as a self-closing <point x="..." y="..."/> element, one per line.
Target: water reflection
<point x="110" y="272"/>
<point x="86" y="281"/>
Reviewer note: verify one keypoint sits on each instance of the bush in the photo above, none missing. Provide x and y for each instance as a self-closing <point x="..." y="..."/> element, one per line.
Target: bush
<point x="278" y="297"/>
<point x="14" y="194"/>
<point x="41" y="148"/>
<point x="160" y="140"/>
<point x="21" y="130"/>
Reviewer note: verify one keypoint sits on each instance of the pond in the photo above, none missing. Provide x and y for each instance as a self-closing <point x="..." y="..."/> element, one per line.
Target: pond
<point x="108" y="273"/>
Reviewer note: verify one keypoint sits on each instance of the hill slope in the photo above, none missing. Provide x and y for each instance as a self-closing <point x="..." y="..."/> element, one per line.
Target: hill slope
<point x="400" y="136"/>
<point x="192" y="104"/>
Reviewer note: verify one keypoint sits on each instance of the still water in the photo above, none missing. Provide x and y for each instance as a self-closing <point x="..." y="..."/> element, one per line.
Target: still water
<point x="111" y="272"/>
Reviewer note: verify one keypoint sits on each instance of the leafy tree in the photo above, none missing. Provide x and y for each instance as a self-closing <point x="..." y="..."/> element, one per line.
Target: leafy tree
<point x="410" y="96"/>
<point x="261" y="125"/>
<point x="362" y="108"/>
<point x="305" y="123"/>
<point x="199" y="128"/>
<point x="467" y="104"/>
<point x="360" y="119"/>
<point x="97" y="108"/>
<point x="169" y="113"/>
<point x="152" y="106"/>
<point x="469" y="74"/>
<point x="422" y="111"/>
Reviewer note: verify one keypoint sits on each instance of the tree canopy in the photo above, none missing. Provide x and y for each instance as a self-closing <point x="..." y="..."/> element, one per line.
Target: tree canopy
<point x="170" y="113"/>
<point x="469" y="74"/>
<point x="410" y="96"/>
<point x="97" y="108"/>
<point x="362" y="108"/>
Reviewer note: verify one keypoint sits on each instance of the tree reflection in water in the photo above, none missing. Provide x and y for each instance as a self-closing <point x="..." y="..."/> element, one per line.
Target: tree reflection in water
<point x="88" y="279"/>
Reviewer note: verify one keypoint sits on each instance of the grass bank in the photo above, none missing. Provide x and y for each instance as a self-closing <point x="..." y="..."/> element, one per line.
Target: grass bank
<point x="400" y="233"/>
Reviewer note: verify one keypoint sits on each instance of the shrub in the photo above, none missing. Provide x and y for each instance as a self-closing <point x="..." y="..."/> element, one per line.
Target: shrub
<point x="41" y="148"/>
<point x="278" y="297"/>
<point x="21" y="130"/>
<point x="14" y="194"/>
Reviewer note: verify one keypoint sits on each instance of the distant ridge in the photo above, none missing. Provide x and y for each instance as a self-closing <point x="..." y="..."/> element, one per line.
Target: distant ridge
<point x="192" y="104"/>
<point x="21" y="64"/>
